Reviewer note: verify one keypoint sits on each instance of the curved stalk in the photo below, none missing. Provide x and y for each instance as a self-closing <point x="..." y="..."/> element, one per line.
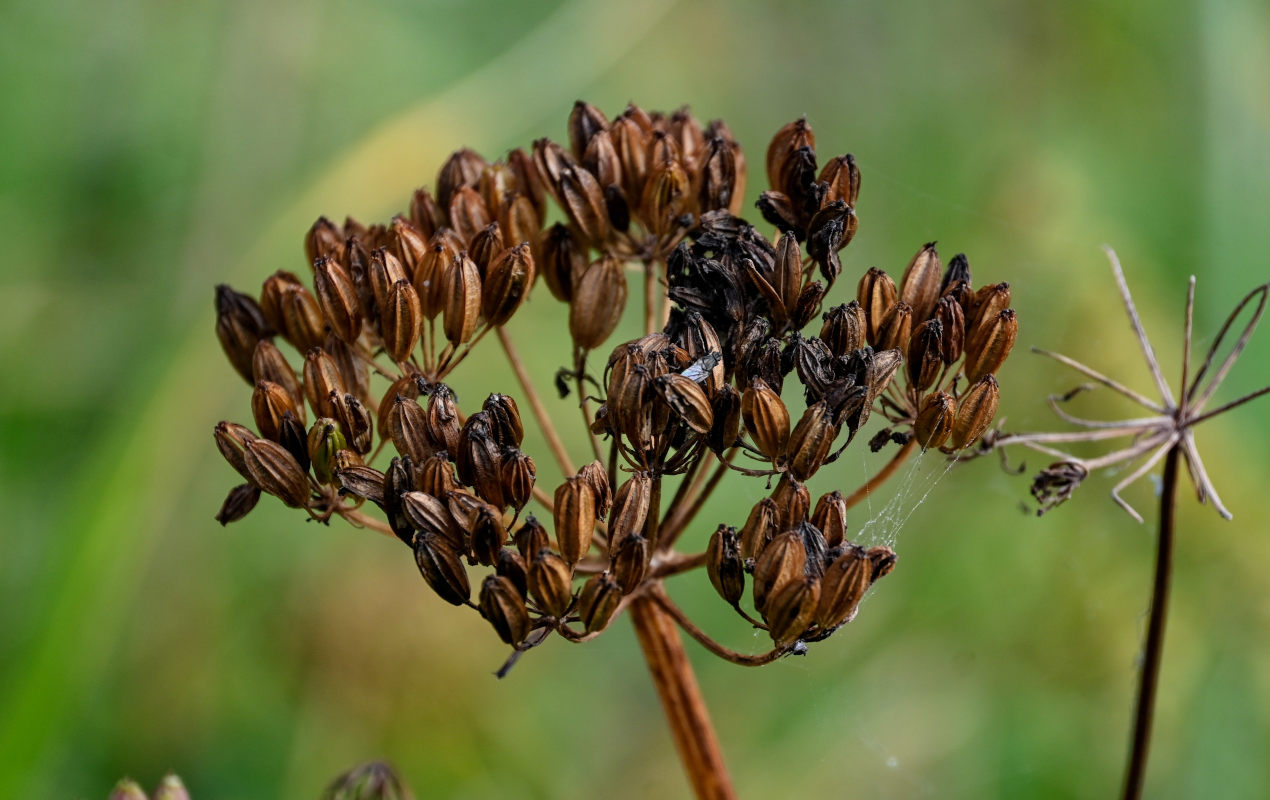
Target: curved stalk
<point x="883" y="474"/>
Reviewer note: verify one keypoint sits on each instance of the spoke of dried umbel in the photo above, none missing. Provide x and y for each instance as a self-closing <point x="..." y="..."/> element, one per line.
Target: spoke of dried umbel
<point x="394" y="308"/>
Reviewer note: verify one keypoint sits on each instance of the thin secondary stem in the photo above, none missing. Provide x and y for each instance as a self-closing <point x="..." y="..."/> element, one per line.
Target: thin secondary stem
<point x="668" y="606"/>
<point x="582" y="404"/>
<point x="1135" y="770"/>
<point x="370" y="523"/>
<point x="883" y="474"/>
<point x="535" y="404"/>
<point x="683" y="516"/>
<point x="681" y="699"/>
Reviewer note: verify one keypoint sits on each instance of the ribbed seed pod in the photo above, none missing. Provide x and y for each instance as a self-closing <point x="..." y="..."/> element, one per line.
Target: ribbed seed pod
<point x="830" y="518"/>
<point x="842" y="588"/>
<point x="518" y="474"/>
<point x="766" y="418"/>
<point x="630" y="141"/>
<point x="630" y="509"/>
<point x="324" y="440"/>
<point x="273" y="468"/>
<point x="531" y="538"/>
<point x="508" y="280"/>
<point x="812" y="441"/>
<point x="268" y="364"/>
<point x="488" y="535"/>
<point x="843" y="177"/>
<point x="443" y="420"/>
<point x="925" y="355"/>
<point x="302" y="322"/>
<point x="354" y="420"/>
<point x="723" y="564"/>
<point x="726" y="409"/>
<point x="529" y="183"/>
<point x="436" y="475"/>
<point x="551" y="161"/>
<point x="238" y="503"/>
<point x="759" y="528"/>
<point x="988" y="349"/>
<point x="359" y="480"/>
<point x="791" y="608"/>
<point x="272" y="293"/>
<point x="598" y="602"/>
<point x="231" y="440"/>
<point x="408" y="429"/>
<point x="630" y="562"/>
<point x="883" y="560"/>
<point x="269" y="402"/>
<point x="407" y="386"/>
<point x="425" y="213"/>
<point x="521" y="223"/>
<point x="323" y="238"/>
<point x="321" y="377"/>
<point x="987" y="303"/>
<point x="504" y="608"/>
<point x="781" y="562"/>
<point x="952" y="321"/>
<point x="382" y="273"/>
<point x="409" y="245"/>
<point x="564" y="261"/>
<point x="398" y="480"/>
<point x="793" y="501"/>
<point x="897" y="328"/>
<point x="485" y="247"/>
<point x="582" y="199"/>
<point x="292" y="436"/>
<point x="402" y="321"/>
<point x="441" y="567"/>
<point x="921" y="282"/>
<point x="337" y="298"/>
<point x="666" y="194"/>
<point x="934" y="420"/>
<point x="462" y="168"/>
<point x="595" y="476"/>
<point x="598" y="301"/>
<point x="585" y="121"/>
<point x="551" y="583"/>
<point x="975" y="411"/>
<point x="240" y="325"/>
<point x="876" y="294"/>
<point x="479" y="461"/>
<point x="462" y="308"/>
<point x="788" y="140"/>
<point x="432" y="271"/>
<point x="687" y="400"/>
<point x="844" y="329"/>
<point x="429" y="515"/>
<point x="717" y="188"/>
<point x="511" y="565"/>
<point x="575" y="518"/>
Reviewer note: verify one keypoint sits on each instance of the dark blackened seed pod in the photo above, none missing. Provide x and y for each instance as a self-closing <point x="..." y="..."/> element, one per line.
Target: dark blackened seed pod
<point x="399" y="481"/>
<point x="598" y="602"/>
<point x="531" y="538"/>
<point x="952" y="322"/>
<point x="551" y="582"/>
<point x="505" y="420"/>
<point x="324" y="238"/>
<point x="575" y="518"/>
<point x="338" y="300"/>
<point x="485" y="247"/>
<point x="958" y="271"/>
<point x="791" y="609"/>
<point x="359" y="480"/>
<point x="436" y="475"/>
<point x="726" y="408"/>
<point x="766" y="418"/>
<point x="816" y="547"/>
<point x="564" y="261"/>
<point x="507" y="284"/>
<point x="687" y="400"/>
<point x="238" y="503"/>
<point x="273" y="468"/>
<point x="408" y="429"/>
<point x="883" y="559"/>
<point x="719" y="129"/>
<point x="478" y="459"/>
<point x="585" y="121"/>
<point x="462" y="168"/>
<point x="831" y="229"/>
<point x="402" y="321"/>
<point x="518" y="474"/>
<point x="843" y="587"/>
<point x="598" y="301"/>
<point x="322" y="376"/>
<point x="354" y="420"/>
<point x="583" y="201"/>
<point x="897" y="328"/>
<point x="843" y="177"/>
<point x="323" y="441"/>
<point x="808" y="305"/>
<point x="504" y="608"/>
<point x="595" y="476"/>
<point x="844" y="329"/>
<point x="988" y="349"/>
<point x="441" y="567"/>
<point x="925" y="355"/>
<point x="718" y="177"/>
<point x="268" y="364"/>
<point x="778" y="209"/>
<point x="426" y="213"/>
<point x="830" y="518"/>
<point x="630" y="562"/>
<point x="724" y="566"/>
<point x="488" y="535"/>
<point x="511" y="565"/>
<point x="630" y="509"/>
<point x="240" y="324"/>
<point x="759" y="528"/>
<point x="443" y="419"/>
<point x="812" y="441"/>
<point x="975" y="411"/>
<point x="766" y="363"/>
<point x="461" y="287"/>
<point x="783" y="561"/>
<point x="269" y="402"/>
<point x="934" y="420"/>
<point x="921" y="282"/>
<point x="877" y="295"/>
<point x="292" y="436"/>
<point x="793" y="501"/>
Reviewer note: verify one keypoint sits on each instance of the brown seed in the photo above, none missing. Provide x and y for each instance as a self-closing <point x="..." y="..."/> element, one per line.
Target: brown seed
<point x="360" y="480"/>
<point x="551" y="583"/>
<point x="976" y="409"/>
<point x="531" y="538"/>
<point x="521" y="223"/>
<point x="564" y="261"/>
<point x="830" y="517"/>
<point x="843" y="177"/>
<point x="925" y="355"/>
<point x="324" y="238"/>
<point x="877" y="295"/>
<point x="598" y="602"/>
<point x="842" y="588"/>
<point x="443" y="420"/>
<point x="784" y="144"/>
<point x="552" y="161"/>
<point x="478" y="459"/>
<point x="518" y="474"/>
<point x="726" y="408"/>
<point x="759" y="528"/>
<point x="402" y="321"/>
<point x="488" y="535"/>
<point x="583" y="201"/>
<point x="723" y="564"/>
<point x="505" y="421"/>
<point x="269" y="402"/>
<point x="302" y="322"/>
<point x="468" y="214"/>
<point x="952" y="322"/>
<point x="921" y="282"/>
<point x="987" y="303"/>
<point x="687" y="400"/>
<point x="431" y="272"/>
<point x="988" y="349"/>
<point x="630" y="562"/>
<point x="718" y="177"/>
<point x="276" y="471"/>
<point x="507" y="284"/>
<point x="231" y="439"/>
<point x="812" y="441"/>
<point x="529" y="183"/>
<point x="407" y="386"/>
<point x="780" y="563"/>
<point x="408" y="429"/>
<point x="337" y="298"/>
<point x="883" y="560"/>
<point x="399" y="480"/>
<point x="595" y="476"/>
<point x="272" y="292"/>
<point x="844" y="329"/>
<point x="601" y="160"/>
<point x="511" y="565"/>
<point x="598" y="301"/>
<point x="666" y="193"/>
<point x="354" y="420"/>
<point x="896" y="329"/>
<point x="630" y="141"/>
<point x="934" y="419"/>
<point x="575" y="518"/>
<point x="436" y="475"/>
<point x="382" y="273"/>
<point x="425" y="213"/>
<point x="462" y="168"/>
<point x="766" y="418"/>
<point x="793" y="501"/>
<point x="585" y="121"/>
<point x="240" y="325"/>
<point x="440" y="566"/>
<point x="808" y="305"/>
<point x="322" y="377"/>
<point x="429" y="515"/>
<point x="462" y="290"/>
<point x="268" y="364"/>
<point x="630" y="509"/>
<point x="791" y="608"/>
<point x="238" y="503"/>
<point x="486" y="245"/>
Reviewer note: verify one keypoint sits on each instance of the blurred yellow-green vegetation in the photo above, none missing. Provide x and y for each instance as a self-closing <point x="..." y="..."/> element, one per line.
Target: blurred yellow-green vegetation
<point x="153" y="149"/>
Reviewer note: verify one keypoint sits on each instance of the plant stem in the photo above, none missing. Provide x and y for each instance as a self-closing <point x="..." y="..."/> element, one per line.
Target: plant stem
<point x="1135" y="770"/>
<point x="681" y="700"/>
<point x="886" y="472"/>
<point x="535" y="404"/>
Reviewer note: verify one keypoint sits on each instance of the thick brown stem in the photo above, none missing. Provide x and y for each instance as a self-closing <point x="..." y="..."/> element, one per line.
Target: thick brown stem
<point x="681" y="700"/>
<point x="886" y="472"/>
<point x="1135" y="770"/>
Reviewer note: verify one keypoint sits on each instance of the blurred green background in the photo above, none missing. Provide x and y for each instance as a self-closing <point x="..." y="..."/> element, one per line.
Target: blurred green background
<point x="153" y="149"/>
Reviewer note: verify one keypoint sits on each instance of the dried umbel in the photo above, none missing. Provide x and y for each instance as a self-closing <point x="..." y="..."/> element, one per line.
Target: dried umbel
<point x="725" y="379"/>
